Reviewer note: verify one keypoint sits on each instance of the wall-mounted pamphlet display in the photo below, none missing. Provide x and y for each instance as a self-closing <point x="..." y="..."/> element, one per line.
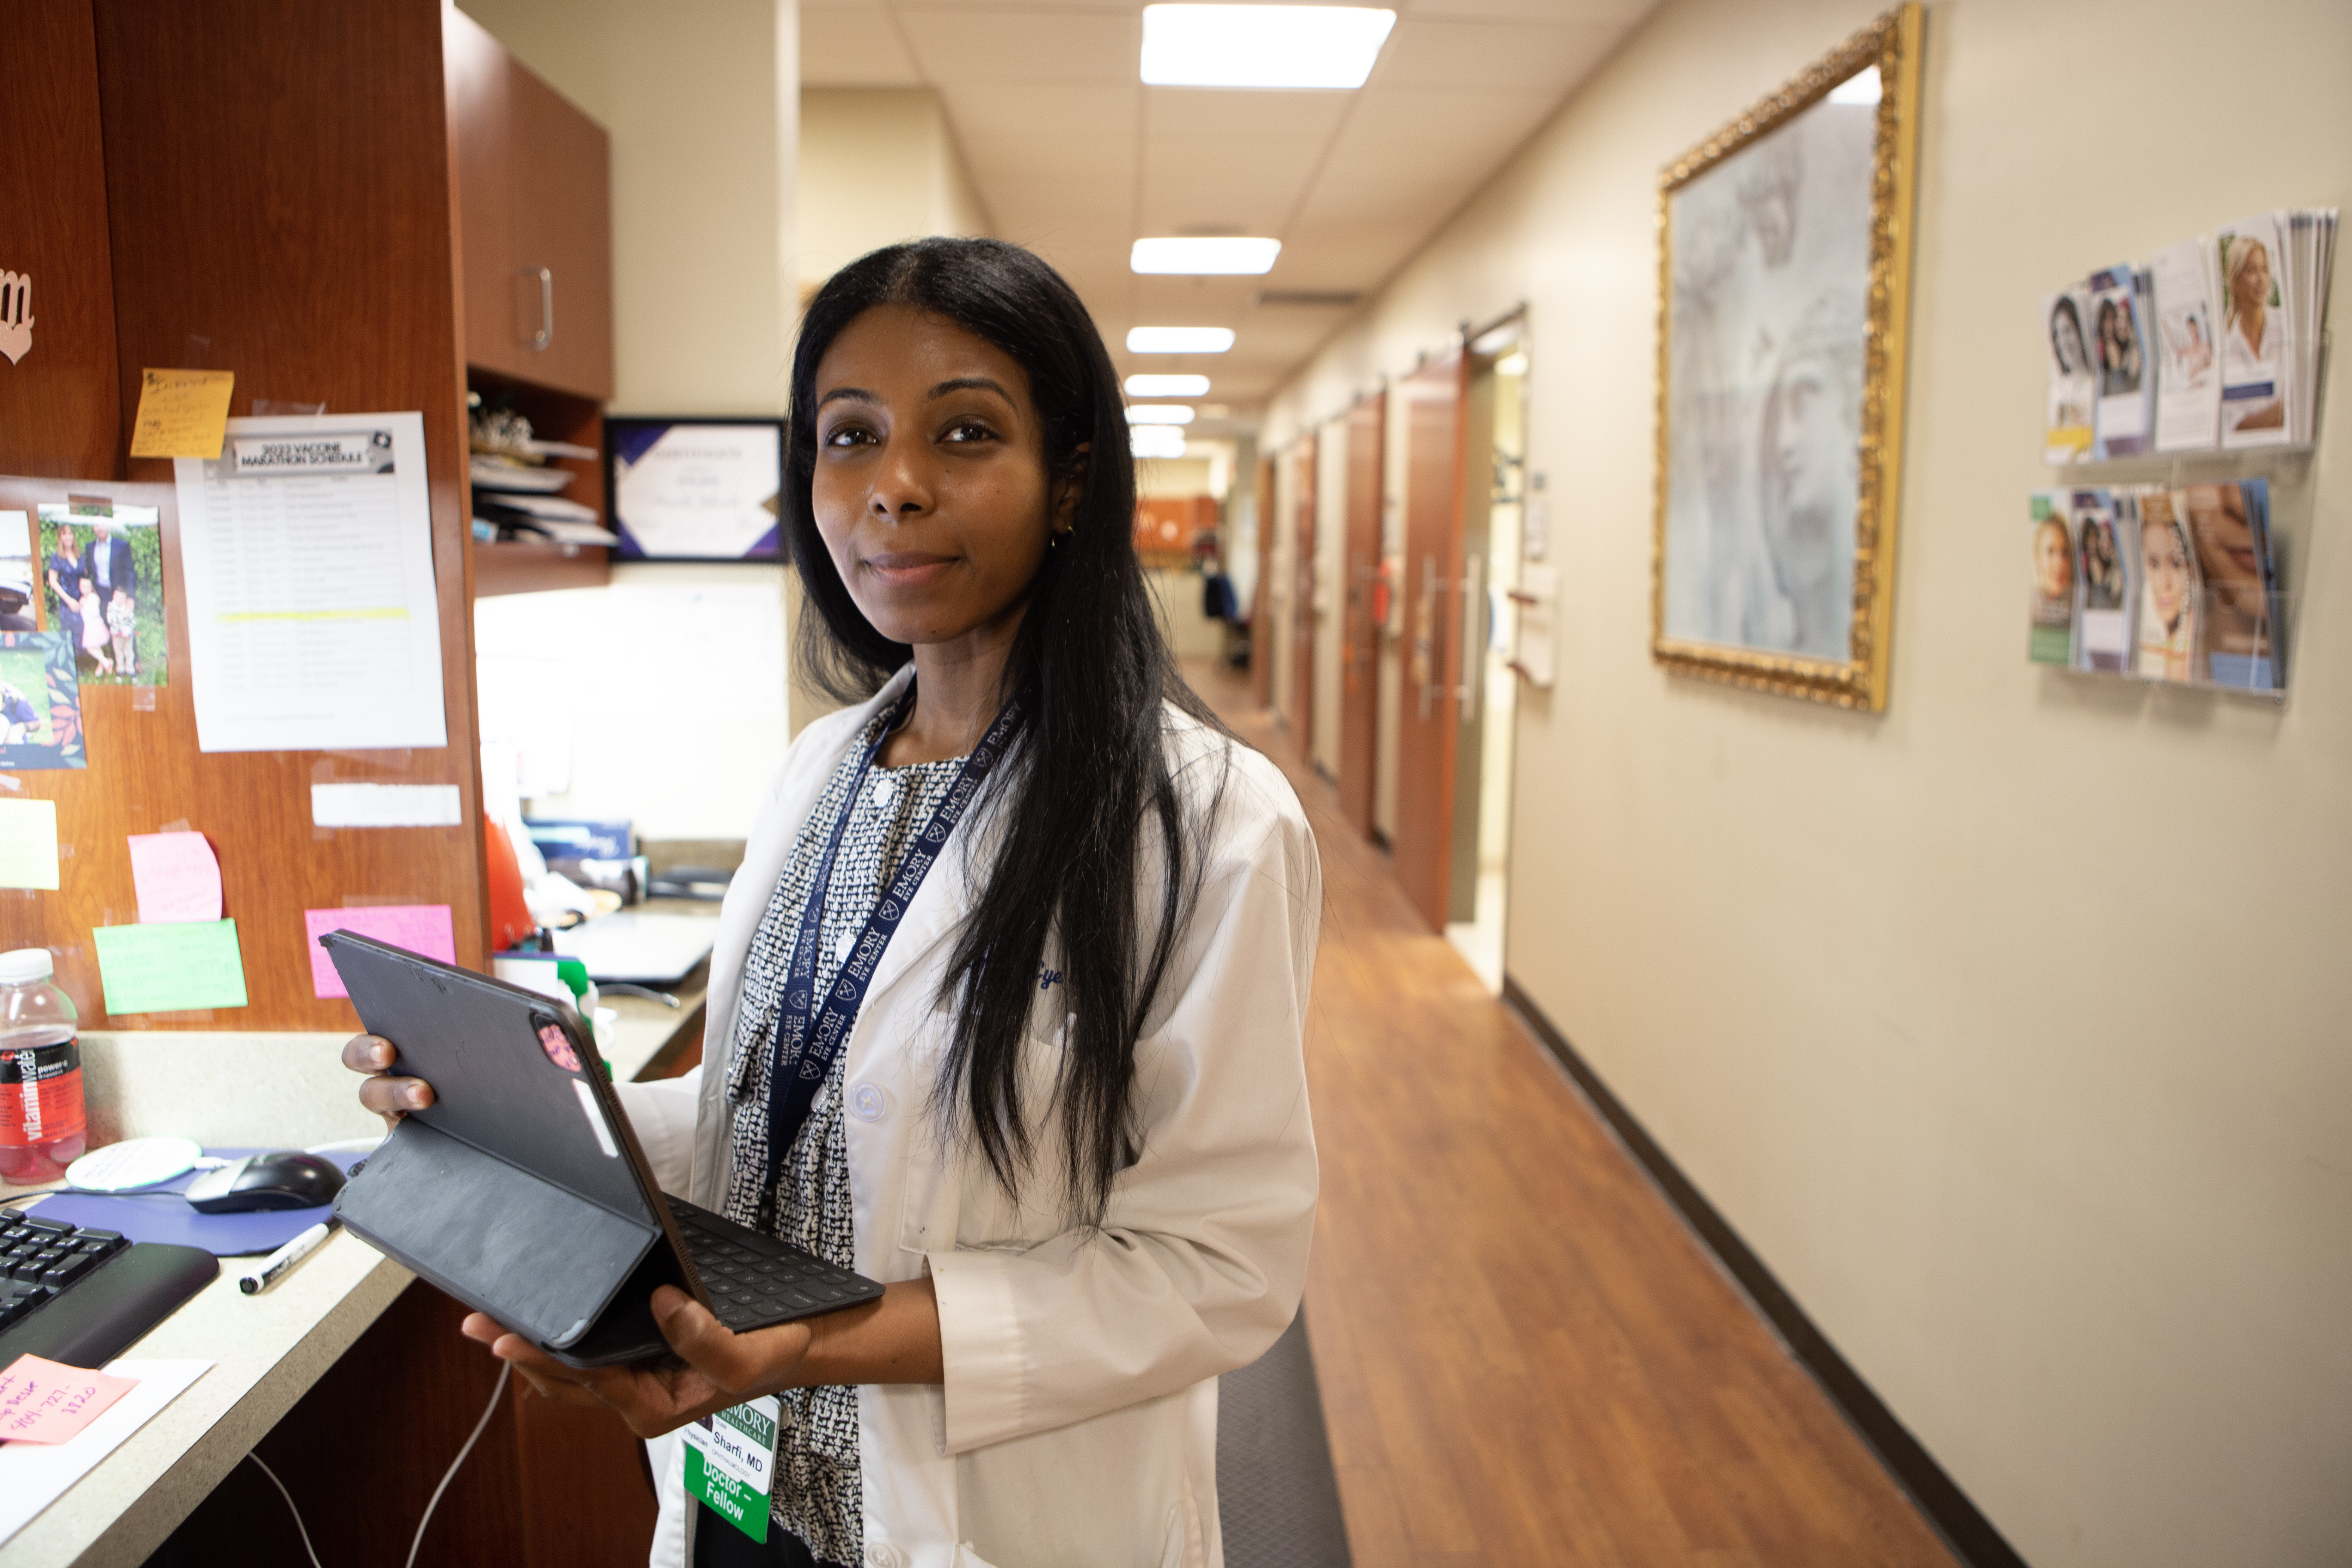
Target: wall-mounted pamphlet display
<point x="2176" y="585"/>
<point x="2215" y="344"/>
<point x="695" y="489"/>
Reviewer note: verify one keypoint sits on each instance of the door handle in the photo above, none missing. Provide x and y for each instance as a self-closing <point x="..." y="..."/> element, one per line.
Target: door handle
<point x="539" y="339"/>
<point x="1466" y="690"/>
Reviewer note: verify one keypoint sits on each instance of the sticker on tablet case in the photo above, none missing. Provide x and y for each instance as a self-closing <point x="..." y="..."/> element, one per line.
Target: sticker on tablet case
<point x="558" y="1047"/>
<point x="595" y="1117"/>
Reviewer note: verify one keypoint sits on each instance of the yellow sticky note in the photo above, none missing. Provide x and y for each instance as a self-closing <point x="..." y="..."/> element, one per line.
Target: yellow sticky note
<point x="29" y="844"/>
<point x="181" y="413"/>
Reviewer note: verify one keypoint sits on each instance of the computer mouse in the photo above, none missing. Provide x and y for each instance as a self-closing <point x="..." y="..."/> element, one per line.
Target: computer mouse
<point x="281" y="1179"/>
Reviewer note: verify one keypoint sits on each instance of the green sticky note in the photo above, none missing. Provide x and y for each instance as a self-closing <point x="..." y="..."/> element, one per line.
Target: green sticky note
<point x="170" y="967"/>
<point x="29" y="844"/>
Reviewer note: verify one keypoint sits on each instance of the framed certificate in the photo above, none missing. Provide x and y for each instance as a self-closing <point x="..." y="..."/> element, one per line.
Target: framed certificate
<point x="695" y="489"/>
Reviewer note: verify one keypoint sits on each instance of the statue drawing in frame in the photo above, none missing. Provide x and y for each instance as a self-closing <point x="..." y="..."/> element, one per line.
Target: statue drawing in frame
<point x="1783" y="276"/>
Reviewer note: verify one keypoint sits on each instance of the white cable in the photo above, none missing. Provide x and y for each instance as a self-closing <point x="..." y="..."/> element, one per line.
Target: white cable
<point x="297" y="1512"/>
<point x="505" y="1369"/>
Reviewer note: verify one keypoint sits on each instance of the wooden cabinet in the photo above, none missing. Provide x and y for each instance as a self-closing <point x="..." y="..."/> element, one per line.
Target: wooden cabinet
<point x="535" y="220"/>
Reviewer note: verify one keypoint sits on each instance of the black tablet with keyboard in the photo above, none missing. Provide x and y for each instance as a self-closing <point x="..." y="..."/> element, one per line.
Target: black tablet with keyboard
<point x="522" y="1189"/>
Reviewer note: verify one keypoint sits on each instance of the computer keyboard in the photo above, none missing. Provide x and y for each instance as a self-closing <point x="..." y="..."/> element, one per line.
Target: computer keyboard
<point x="80" y="1297"/>
<point x="755" y="1281"/>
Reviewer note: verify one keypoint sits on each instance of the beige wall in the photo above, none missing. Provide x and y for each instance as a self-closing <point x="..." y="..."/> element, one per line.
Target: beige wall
<point x="877" y="166"/>
<point x="2008" y="1027"/>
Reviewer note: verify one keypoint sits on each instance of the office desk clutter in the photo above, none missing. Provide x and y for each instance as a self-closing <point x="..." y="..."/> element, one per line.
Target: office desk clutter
<point x="186" y="1210"/>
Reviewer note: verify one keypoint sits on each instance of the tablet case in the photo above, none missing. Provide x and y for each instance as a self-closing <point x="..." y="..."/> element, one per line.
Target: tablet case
<point x="521" y="1190"/>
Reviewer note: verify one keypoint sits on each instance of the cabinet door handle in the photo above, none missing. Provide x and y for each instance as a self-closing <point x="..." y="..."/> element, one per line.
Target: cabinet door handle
<point x="541" y="339"/>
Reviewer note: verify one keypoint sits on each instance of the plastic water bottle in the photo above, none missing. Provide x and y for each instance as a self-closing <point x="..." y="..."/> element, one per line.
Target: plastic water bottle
<point x="42" y="1127"/>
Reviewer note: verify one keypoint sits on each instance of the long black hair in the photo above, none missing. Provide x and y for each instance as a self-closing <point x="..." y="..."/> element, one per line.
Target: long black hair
<point x="1087" y="778"/>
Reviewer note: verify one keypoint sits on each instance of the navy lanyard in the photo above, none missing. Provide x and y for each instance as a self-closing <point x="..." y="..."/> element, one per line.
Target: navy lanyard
<point x="805" y="1046"/>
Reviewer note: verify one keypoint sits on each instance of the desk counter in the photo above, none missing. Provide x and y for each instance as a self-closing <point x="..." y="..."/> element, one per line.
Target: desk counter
<point x="248" y="1091"/>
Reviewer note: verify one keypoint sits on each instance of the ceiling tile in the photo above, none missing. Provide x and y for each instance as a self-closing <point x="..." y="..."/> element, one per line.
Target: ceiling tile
<point x="1504" y="56"/>
<point x="1415" y="135"/>
<point x="1190" y="111"/>
<point x="1195" y="185"/>
<point x="1397" y="201"/>
<point x="1615" y="14"/>
<point x="973" y="45"/>
<point x="853" y="49"/>
<point x="1040" y="115"/>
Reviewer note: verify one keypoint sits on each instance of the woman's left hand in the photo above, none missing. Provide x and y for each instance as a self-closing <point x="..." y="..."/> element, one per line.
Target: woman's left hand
<point x="895" y="1340"/>
<point x="722" y="1368"/>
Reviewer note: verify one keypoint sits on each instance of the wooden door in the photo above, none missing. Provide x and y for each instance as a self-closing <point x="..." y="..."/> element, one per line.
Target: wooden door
<point x="1303" y="612"/>
<point x="1428" y="720"/>
<point x="1358" y="647"/>
<point x="1262" y="593"/>
<point x="59" y="413"/>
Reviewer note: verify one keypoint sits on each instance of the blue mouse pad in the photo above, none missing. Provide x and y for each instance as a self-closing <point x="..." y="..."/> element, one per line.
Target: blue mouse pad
<point x="161" y="1213"/>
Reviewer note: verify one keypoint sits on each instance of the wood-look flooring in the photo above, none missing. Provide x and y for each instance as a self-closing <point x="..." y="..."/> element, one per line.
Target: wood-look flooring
<point x="1525" y="1357"/>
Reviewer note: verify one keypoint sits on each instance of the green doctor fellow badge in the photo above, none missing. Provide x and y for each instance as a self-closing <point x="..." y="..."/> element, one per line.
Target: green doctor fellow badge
<point x="730" y="1463"/>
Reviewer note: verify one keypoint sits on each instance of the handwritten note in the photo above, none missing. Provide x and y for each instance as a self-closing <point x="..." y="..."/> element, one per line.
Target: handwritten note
<point x="419" y="928"/>
<point x="42" y="1402"/>
<point x="181" y="413"/>
<point x="167" y="968"/>
<point x="29" y="844"/>
<point x="177" y="877"/>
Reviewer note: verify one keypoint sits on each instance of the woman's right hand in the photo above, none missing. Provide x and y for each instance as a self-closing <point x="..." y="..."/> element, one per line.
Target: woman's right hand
<point x="389" y="1097"/>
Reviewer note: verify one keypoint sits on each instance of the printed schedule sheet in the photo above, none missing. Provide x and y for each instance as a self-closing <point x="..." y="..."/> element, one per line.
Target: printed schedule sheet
<point x="313" y="623"/>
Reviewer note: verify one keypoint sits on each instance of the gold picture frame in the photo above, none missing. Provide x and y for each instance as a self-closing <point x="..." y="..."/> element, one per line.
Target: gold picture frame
<point x="1780" y="397"/>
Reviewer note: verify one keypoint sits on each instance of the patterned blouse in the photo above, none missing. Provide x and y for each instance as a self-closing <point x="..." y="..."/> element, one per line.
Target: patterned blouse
<point x="817" y="1495"/>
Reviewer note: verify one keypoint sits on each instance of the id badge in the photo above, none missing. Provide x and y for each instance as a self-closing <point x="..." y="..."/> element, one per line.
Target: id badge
<point x="730" y="1463"/>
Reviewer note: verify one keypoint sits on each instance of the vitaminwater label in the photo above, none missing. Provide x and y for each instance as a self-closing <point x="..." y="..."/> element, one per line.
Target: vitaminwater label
<point x="730" y="1463"/>
<point x="40" y="1094"/>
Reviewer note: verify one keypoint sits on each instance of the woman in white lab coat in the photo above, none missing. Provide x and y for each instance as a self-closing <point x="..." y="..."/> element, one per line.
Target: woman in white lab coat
<point x="1031" y="937"/>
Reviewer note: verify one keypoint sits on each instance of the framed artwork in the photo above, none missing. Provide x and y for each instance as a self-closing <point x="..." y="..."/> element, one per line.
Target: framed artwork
<point x="1784" y="267"/>
<point x="695" y="489"/>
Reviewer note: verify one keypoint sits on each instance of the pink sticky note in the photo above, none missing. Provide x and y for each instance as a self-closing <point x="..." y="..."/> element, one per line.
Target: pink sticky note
<point x="41" y="1402"/>
<point x="419" y="928"/>
<point x="177" y="877"/>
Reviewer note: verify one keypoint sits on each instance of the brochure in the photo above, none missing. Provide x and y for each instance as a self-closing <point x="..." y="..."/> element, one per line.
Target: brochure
<point x="2229" y="528"/>
<point x="2127" y="389"/>
<point x="2052" y="637"/>
<point x="2257" y="354"/>
<point x="2069" y="427"/>
<point x="2104" y="640"/>
<point x="2188" y="376"/>
<point x="2169" y="591"/>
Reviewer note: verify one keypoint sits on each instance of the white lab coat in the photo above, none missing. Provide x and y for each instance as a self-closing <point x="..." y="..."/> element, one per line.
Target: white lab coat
<point x="1076" y="1427"/>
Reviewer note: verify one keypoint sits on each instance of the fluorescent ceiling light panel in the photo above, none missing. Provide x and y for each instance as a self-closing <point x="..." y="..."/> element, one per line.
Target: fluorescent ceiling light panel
<point x="1167" y="385"/>
<point x="1156" y="441"/>
<point x="1262" y="46"/>
<point x="1179" y="340"/>
<point x="1204" y="256"/>
<point x="1157" y="414"/>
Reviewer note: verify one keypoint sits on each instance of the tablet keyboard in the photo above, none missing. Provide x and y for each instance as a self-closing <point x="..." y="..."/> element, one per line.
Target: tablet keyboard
<point x="755" y="1281"/>
<point x="82" y="1296"/>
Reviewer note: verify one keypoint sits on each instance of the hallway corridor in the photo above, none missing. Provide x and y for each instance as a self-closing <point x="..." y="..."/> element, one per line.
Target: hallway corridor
<point x="1525" y="1358"/>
